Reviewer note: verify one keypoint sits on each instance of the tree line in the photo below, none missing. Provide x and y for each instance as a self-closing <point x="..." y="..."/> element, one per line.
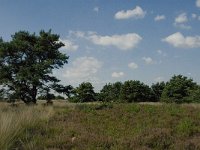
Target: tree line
<point x="179" y="89"/>
<point x="27" y="62"/>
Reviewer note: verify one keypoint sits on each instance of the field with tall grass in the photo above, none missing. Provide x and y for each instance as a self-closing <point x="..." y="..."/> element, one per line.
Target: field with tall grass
<point x="100" y="126"/>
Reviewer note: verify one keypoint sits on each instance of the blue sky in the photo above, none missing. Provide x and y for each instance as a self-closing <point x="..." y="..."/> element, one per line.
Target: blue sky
<point x="114" y="40"/>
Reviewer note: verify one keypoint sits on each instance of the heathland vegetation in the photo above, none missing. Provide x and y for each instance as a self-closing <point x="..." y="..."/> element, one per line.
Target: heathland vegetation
<point x="122" y="115"/>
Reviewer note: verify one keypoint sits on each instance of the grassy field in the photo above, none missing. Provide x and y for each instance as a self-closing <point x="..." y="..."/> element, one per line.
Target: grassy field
<point x="100" y="126"/>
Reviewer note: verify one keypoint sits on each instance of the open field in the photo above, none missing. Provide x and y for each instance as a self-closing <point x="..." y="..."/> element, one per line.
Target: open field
<point x="100" y="126"/>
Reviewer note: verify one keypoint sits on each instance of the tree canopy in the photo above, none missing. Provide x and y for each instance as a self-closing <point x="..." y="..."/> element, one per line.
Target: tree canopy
<point x="27" y="61"/>
<point x="83" y="93"/>
<point x="135" y="91"/>
<point x="178" y="88"/>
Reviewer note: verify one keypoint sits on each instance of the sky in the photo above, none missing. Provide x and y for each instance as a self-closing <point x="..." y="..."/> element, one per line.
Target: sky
<point x="114" y="40"/>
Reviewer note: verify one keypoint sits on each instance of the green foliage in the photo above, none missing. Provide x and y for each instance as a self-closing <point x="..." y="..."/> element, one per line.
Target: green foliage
<point x="27" y="61"/>
<point x="110" y="92"/>
<point x="157" y="90"/>
<point x="66" y="90"/>
<point x="135" y="91"/>
<point x="177" y="89"/>
<point x="194" y="96"/>
<point x="45" y="97"/>
<point x="83" y="93"/>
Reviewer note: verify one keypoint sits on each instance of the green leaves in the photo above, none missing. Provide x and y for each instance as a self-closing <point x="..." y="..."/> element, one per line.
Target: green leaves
<point x="135" y="91"/>
<point x="28" y="60"/>
<point x="84" y="93"/>
<point x="177" y="89"/>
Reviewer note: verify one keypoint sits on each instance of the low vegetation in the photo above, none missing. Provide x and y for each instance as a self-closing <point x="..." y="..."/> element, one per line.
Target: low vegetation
<point x="101" y="126"/>
<point x="15" y="120"/>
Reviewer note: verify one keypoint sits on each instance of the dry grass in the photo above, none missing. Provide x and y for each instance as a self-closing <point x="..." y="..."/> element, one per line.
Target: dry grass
<point x="15" y="119"/>
<point x="103" y="126"/>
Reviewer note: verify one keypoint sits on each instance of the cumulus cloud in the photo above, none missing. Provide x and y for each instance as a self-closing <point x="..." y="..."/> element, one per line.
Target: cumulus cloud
<point x="198" y="3"/>
<point x="159" y="17"/>
<point x="69" y="45"/>
<point x="133" y="65"/>
<point x="178" y="40"/>
<point x="148" y="60"/>
<point x="135" y="13"/>
<point x="194" y="16"/>
<point x="160" y="52"/>
<point x="180" y="21"/>
<point x="182" y="18"/>
<point x="83" y="69"/>
<point x="123" y="42"/>
<point x="96" y="9"/>
<point x="117" y="74"/>
<point x="77" y="34"/>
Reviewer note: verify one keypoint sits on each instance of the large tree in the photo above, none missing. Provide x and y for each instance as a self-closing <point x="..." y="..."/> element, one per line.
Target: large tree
<point x="177" y="89"/>
<point x="135" y="91"/>
<point x="111" y="92"/>
<point x="27" y="61"/>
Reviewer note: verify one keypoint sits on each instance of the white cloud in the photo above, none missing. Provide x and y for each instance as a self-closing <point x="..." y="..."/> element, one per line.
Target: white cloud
<point x="160" y="52"/>
<point x="117" y="74"/>
<point x="183" y="26"/>
<point x="96" y="9"/>
<point x="135" y="13"/>
<point x="78" y="34"/>
<point x="83" y="69"/>
<point x="182" y="18"/>
<point x="180" y="21"/>
<point x="133" y="65"/>
<point x="198" y="3"/>
<point x="69" y="45"/>
<point x="159" y="79"/>
<point x="148" y="60"/>
<point x="194" y="16"/>
<point x="123" y="42"/>
<point x="159" y="17"/>
<point x="179" y="41"/>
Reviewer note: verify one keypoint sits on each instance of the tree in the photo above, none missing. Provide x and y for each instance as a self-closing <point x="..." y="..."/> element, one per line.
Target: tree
<point x="194" y="96"/>
<point x="135" y="91"/>
<point x="157" y="90"/>
<point x="1" y="94"/>
<point x="177" y="89"/>
<point x="84" y="93"/>
<point x="111" y="92"/>
<point x="66" y="90"/>
<point x="27" y="61"/>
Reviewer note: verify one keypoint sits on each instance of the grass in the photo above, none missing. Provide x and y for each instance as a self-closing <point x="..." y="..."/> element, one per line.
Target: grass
<point x="103" y="126"/>
<point x="15" y="120"/>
